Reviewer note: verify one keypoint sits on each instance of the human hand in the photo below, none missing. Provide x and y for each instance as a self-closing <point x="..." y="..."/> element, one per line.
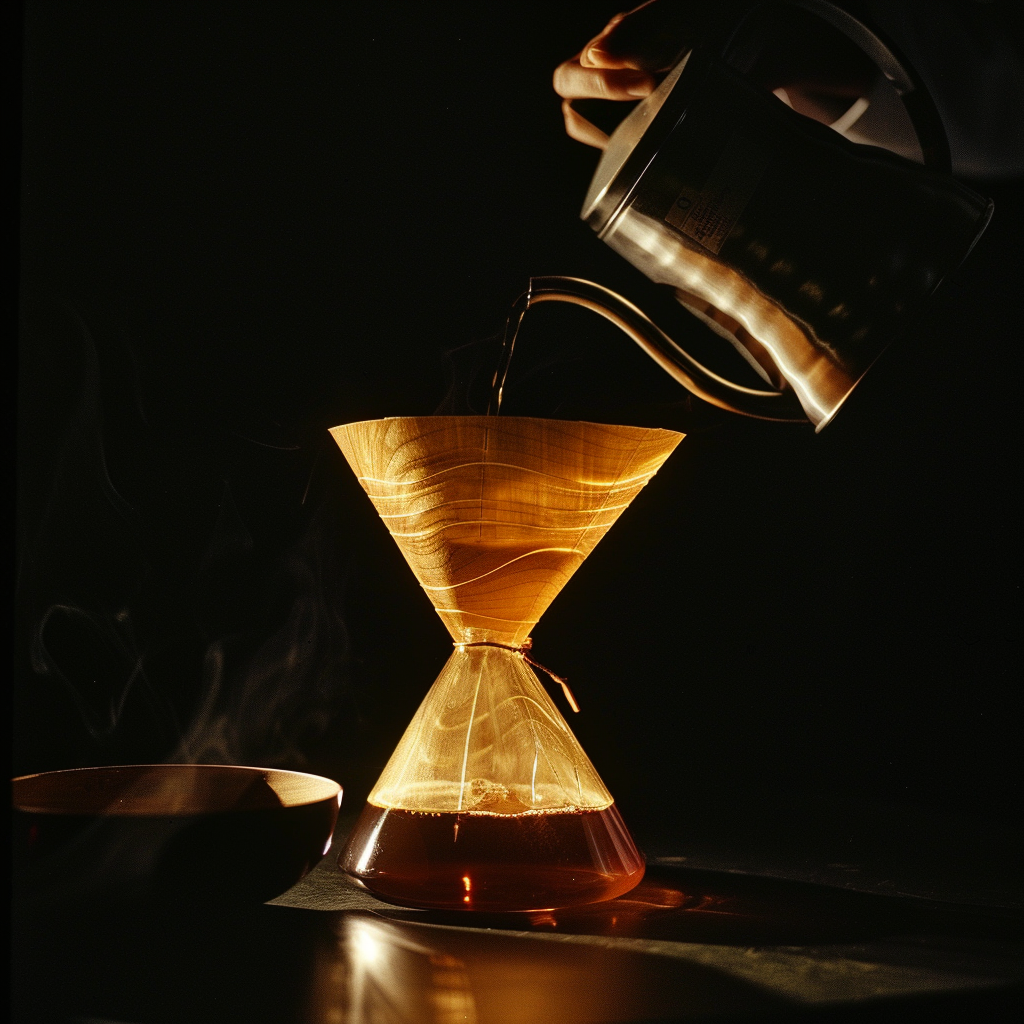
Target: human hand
<point x="812" y="69"/>
<point x="623" y="61"/>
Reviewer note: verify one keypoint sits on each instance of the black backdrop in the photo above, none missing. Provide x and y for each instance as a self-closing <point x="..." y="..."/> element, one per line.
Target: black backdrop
<point x="245" y="223"/>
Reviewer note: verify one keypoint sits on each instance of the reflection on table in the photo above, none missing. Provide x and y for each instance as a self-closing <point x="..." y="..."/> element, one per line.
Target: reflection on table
<point x="684" y="945"/>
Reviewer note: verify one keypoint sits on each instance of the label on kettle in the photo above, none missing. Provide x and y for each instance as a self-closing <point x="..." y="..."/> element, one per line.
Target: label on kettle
<point x="707" y="215"/>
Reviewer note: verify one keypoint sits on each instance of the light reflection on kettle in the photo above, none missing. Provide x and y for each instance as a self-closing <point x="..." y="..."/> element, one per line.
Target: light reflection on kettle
<point x="808" y="247"/>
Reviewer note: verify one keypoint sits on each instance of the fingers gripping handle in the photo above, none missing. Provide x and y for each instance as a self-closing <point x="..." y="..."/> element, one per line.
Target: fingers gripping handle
<point x="585" y="130"/>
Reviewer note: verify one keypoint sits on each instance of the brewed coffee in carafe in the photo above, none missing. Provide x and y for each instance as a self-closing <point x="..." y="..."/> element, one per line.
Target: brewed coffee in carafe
<point x="489" y="802"/>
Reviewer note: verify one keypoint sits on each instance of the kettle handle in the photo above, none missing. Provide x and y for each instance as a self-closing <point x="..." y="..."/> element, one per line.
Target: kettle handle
<point x="920" y="107"/>
<point x="781" y="406"/>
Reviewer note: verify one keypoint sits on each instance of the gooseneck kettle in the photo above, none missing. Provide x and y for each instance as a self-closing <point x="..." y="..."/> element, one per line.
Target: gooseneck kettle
<point x="807" y="246"/>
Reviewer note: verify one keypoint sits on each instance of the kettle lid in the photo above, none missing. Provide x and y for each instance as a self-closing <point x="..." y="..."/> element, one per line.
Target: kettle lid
<point x="632" y="146"/>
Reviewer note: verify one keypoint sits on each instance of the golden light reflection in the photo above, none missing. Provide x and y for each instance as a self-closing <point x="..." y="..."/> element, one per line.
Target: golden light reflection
<point x="366" y="946"/>
<point x="672" y="952"/>
<point x="389" y="972"/>
<point x="393" y="978"/>
<point x="807" y="366"/>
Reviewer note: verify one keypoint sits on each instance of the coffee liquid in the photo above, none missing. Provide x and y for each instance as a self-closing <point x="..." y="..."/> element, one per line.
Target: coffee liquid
<point x="538" y="860"/>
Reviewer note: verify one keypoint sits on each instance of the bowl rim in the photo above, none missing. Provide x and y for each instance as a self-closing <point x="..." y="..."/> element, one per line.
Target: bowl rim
<point x="25" y="807"/>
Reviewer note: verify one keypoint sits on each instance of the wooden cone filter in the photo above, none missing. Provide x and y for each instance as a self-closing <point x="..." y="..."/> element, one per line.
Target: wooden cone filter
<point x="495" y="513"/>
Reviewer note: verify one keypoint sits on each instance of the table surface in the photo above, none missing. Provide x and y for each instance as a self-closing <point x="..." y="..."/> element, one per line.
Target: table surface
<point x="709" y="935"/>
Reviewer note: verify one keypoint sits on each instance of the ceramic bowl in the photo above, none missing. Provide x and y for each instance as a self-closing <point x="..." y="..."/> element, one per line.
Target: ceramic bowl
<point x="171" y="830"/>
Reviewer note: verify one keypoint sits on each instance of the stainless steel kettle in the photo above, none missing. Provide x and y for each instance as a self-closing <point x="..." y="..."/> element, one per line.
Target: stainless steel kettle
<point x="807" y="246"/>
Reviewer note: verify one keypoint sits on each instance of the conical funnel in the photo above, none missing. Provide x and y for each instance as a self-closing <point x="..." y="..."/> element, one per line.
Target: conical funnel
<point x="495" y="513"/>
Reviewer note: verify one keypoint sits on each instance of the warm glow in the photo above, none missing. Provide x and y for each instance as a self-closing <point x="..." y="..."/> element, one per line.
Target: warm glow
<point x="818" y="381"/>
<point x="367" y="947"/>
<point x="494" y="514"/>
<point x="370" y="845"/>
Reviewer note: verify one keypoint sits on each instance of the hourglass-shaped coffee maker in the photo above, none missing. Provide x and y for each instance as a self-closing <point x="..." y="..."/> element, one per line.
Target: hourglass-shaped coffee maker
<point x="489" y="802"/>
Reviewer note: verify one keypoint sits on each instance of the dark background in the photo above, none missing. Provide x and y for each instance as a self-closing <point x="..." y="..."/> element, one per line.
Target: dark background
<point x="245" y="223"/>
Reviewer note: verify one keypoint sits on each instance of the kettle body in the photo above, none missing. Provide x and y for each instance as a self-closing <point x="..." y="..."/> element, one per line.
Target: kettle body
<point x="806" y="250"/>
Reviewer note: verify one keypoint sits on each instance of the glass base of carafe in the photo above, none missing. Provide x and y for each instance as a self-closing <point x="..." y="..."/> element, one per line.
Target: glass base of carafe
<point x="540" y="860"/>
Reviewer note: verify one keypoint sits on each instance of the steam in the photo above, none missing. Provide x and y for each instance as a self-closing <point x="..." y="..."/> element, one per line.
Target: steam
<point x="100" y="710"/>
<point x="546" y="374"/>
<point x="130" y="620"/>
<point x="270" y="707"/>
<point x="77" y="561"/>
<point x="470" y="370"/>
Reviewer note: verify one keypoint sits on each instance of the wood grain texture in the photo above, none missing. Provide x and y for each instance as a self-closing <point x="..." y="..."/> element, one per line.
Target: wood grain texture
<point x="495" y="513"/>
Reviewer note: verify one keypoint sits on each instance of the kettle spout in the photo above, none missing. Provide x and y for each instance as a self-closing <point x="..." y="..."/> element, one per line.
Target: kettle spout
<point x="781" y="406"/>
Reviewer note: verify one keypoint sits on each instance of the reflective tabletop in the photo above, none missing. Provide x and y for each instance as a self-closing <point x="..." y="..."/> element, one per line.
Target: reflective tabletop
<point x="696" y="940"/>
